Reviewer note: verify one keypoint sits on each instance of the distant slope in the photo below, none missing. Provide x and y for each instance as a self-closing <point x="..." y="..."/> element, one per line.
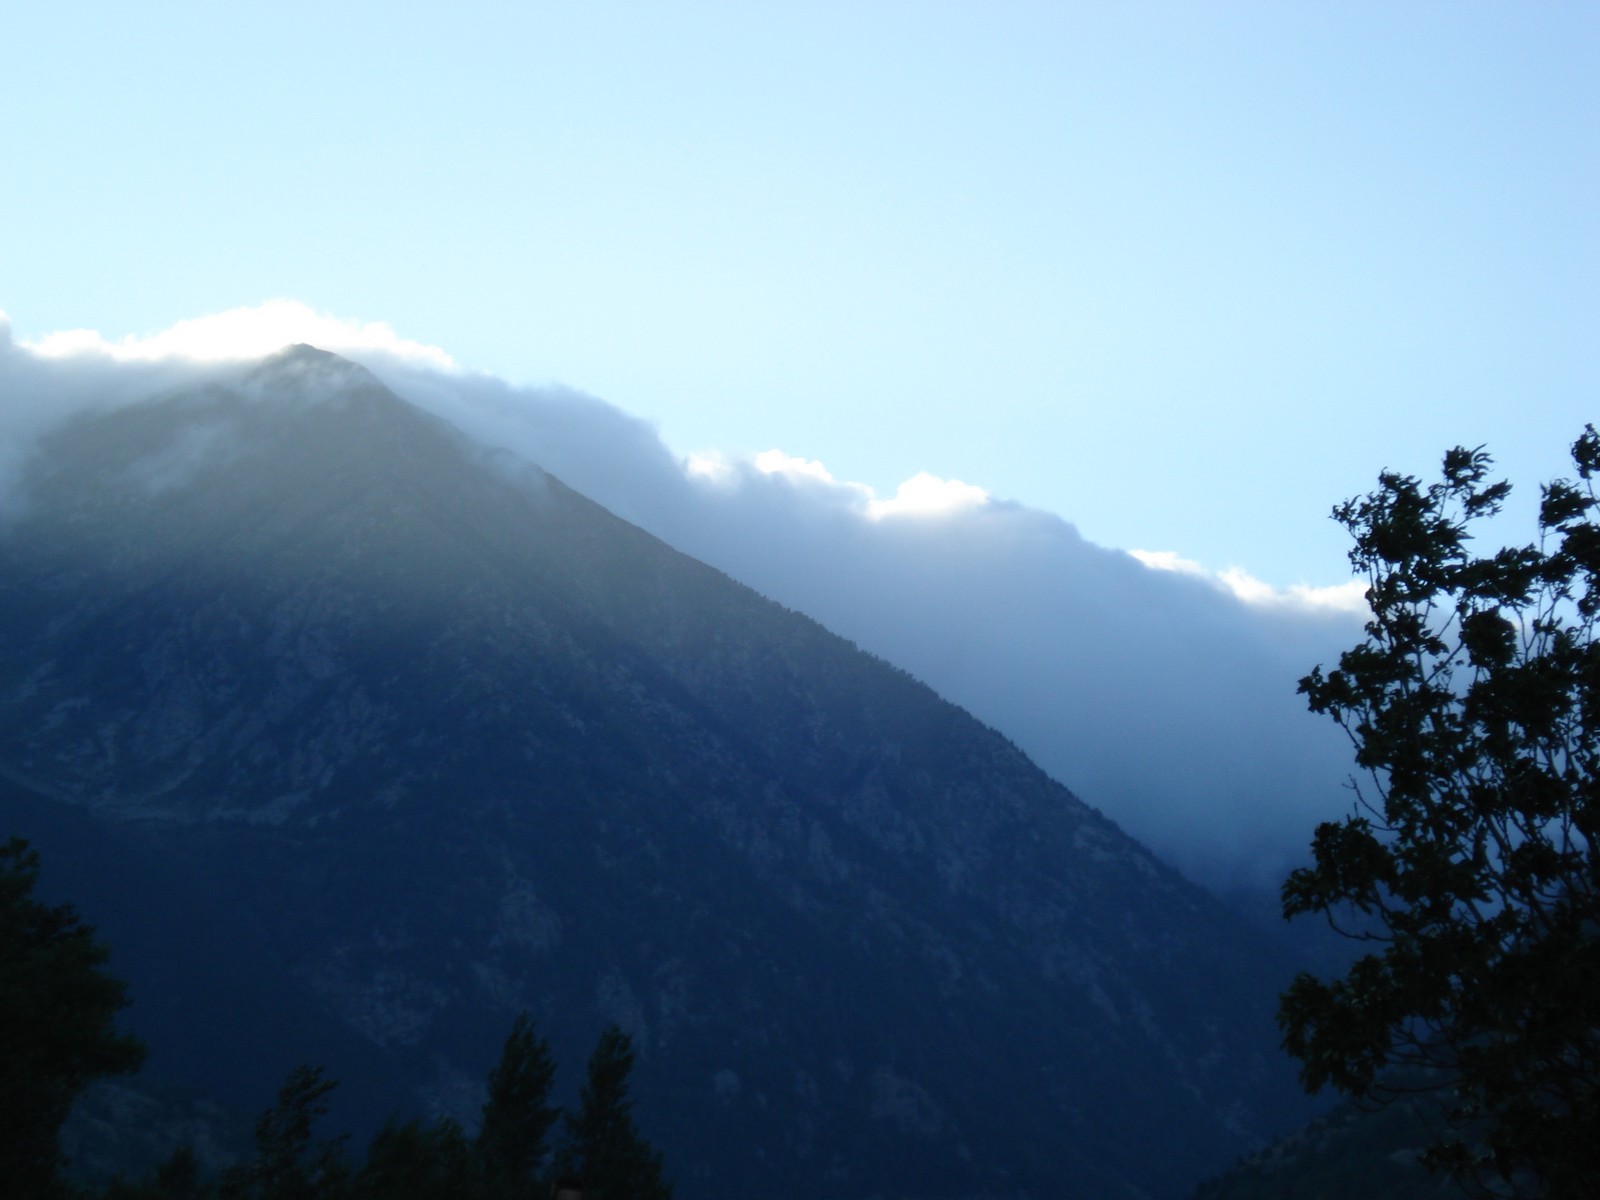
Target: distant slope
<point x="387" y="741"/>
<point x="1349" y="1152"/>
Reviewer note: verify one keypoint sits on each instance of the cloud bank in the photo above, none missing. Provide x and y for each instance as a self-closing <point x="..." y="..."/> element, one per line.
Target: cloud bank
<point x="1160" y="692"/>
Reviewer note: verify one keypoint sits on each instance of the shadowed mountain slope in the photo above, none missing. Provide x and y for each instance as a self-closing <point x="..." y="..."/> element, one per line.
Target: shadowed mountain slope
<point x="412" y="738"/>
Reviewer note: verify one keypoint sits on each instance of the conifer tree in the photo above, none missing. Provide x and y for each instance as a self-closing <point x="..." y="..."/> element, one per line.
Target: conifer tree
<point x="287" y="1165"/>
<point x="513" y="1138"/>
<point x="411" y="1160"/>
<point x="604" y="1147"/>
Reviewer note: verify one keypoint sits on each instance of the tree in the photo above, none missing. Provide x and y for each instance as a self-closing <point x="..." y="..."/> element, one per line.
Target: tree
<point x="178" y="1178"/>
<point x="414" y="1161"/>
<point x="1469" y="860"/>
<point x="517" y="1116"/>
<point x="603" y="1146"/>
<point x="57" y="1023"/>
<point x="287" y="1165"/>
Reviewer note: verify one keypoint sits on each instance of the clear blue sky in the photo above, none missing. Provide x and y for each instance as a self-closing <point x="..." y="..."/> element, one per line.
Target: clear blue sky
<point x="1183" y="273"/>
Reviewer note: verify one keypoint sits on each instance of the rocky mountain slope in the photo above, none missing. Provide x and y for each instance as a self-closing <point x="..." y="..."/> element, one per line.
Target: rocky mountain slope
<point x="355" y="741"/>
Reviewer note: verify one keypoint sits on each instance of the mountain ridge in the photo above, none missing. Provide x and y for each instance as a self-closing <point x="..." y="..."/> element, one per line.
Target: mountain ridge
<point x="442" y="705"/>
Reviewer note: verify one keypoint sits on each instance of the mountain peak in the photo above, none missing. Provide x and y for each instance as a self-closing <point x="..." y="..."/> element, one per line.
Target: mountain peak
<point x="304" y="372"/>
<point x="307" y="352"/>
<point x="250" y="464"/>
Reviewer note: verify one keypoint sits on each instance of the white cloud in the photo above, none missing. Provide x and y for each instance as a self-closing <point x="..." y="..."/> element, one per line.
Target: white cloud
<point x="921" y="495"/>
<point x="710" y="465"/>
<point x="1161" y="692"/>
<point x="1349" y="599"/>
<point x="776" y="462"/>
<point x="241" y="334"/>
<point x="1168" y="560"/>
<point x="929" y="496"/>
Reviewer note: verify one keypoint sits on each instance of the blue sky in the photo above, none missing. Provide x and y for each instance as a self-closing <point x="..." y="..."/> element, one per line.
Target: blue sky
<point x="1183" y="274"/>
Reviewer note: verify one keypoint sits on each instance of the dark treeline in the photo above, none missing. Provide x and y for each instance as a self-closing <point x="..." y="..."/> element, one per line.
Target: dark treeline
<point x="523" y="1147"/>
<point x="57" y="1035"/>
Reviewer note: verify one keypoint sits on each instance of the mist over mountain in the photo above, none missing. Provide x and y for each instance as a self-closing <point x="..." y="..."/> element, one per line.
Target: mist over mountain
<point x="1161" y="697"/>
<point x="357" y="739"/>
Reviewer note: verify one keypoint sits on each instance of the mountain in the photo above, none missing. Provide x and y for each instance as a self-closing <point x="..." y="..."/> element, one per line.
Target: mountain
<point x="1376" y="1154"/>
<point x="355" y="740"/>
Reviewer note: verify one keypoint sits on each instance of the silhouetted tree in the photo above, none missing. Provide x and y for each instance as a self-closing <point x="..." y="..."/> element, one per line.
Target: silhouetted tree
<point x="1474" y="707"/>
<point x="415" y="1161"/>
<point x="178" y="1178"/>
<point x="287" y="1165"/>
<point x="57" y="1024"/>
<point x="513" y="1138"/>
<point x="603" y="1145"/>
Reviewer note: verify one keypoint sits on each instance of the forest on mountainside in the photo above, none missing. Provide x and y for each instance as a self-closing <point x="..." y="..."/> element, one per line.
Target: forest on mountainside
<point x="58" y="1035"/>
